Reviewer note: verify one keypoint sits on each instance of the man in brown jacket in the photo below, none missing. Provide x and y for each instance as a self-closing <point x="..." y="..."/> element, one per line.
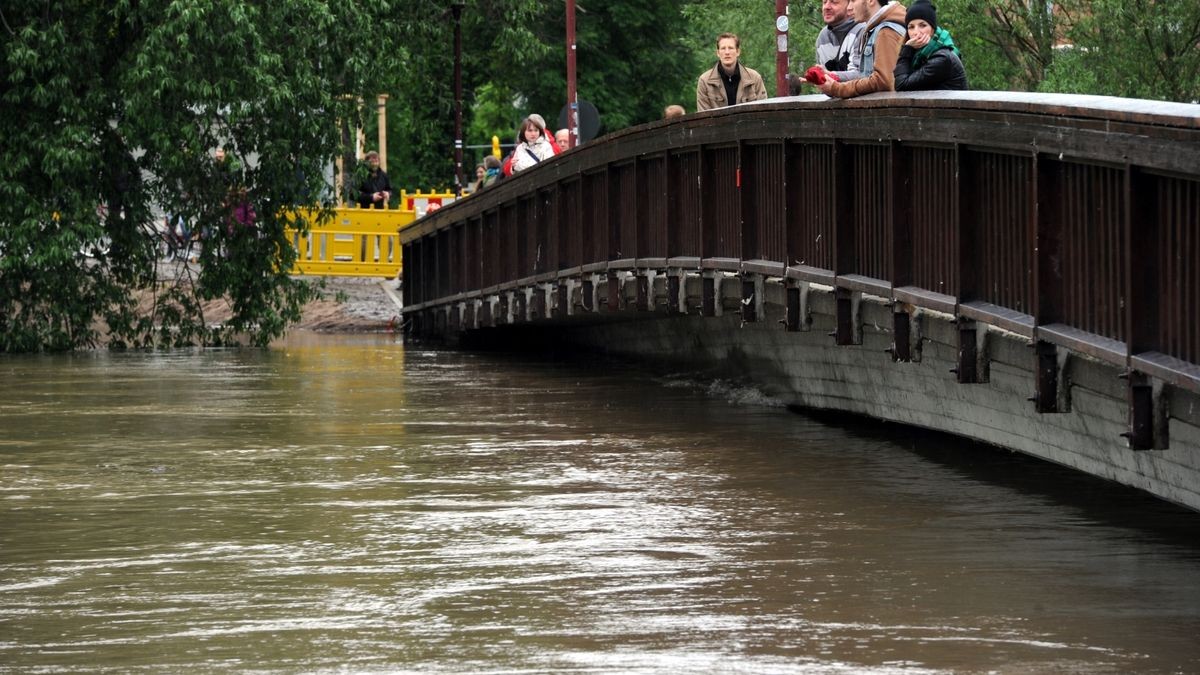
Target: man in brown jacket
<point x="729" y="81"/>
<point x="883" y="37"/>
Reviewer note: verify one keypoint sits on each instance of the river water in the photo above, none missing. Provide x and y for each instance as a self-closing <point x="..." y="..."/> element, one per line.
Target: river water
<point x="350" y="504"/>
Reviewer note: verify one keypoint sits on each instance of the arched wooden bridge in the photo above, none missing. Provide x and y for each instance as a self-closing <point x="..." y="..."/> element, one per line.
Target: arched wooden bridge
<point x="1018" y="268"/>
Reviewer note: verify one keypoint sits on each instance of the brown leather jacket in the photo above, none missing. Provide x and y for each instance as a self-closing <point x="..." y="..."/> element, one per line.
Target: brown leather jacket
<point x="887" y="50"/>
<point x="710" y="90"/>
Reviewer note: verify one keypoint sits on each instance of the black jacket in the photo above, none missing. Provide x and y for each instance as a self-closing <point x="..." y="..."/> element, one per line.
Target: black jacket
<point x="942" y="70"/>
<point x="377" y="182"/>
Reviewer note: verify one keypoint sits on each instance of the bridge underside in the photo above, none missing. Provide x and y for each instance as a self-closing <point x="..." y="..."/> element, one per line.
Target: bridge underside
<point x="816" y="347"/>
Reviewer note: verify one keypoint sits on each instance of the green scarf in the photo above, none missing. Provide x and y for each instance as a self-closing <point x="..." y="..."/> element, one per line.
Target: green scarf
<point x="940" y="40"/>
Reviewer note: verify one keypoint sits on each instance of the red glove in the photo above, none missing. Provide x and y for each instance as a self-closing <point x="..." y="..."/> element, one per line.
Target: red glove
<point x="816" y="75"/>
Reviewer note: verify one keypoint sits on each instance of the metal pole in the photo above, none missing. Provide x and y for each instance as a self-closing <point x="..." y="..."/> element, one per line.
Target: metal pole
<point x="457" y="7"/>
<point x="572" y="94"/>
<point x="781" y="47"/>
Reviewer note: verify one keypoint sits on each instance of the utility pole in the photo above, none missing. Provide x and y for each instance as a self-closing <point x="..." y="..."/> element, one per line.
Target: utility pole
<point x="572" y="94"/>
<point x="781" y="47"/>
<point x="457" y="8"/>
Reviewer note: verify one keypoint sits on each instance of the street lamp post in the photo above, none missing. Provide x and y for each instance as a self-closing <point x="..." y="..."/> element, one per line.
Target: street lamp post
<point x="457" y="8"/>
<point x="572" y="94"/>
<point x="781" y="47"/>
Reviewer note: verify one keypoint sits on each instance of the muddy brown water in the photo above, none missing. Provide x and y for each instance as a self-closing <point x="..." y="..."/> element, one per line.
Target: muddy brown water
<point x="349" y="504"/>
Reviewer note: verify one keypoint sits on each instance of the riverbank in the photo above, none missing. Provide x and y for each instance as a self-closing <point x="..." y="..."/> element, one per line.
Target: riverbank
<point x="353" y="305"/>
<point x="345" y="305"/>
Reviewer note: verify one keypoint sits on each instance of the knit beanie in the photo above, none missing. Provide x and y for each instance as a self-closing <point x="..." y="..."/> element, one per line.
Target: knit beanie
<point x="922" y="9"/>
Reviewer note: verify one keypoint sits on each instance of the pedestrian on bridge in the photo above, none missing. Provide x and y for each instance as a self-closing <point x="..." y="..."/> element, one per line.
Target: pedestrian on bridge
<point x="535" y="146"/>
<point x="838" y="49"/>
<point x="491" y="168"/>
<point x="929" y="59"/>
<point x="880" y="41"/>
<point x="836" y="41"/>
<point x="728" y="82"/>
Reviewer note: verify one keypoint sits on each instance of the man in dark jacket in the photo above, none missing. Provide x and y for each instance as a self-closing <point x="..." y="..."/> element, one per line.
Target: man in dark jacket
<point x="375" y="190"/>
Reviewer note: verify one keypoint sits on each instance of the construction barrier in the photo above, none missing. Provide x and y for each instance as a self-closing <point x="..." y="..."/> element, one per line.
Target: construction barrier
<point x="360" y="242"/>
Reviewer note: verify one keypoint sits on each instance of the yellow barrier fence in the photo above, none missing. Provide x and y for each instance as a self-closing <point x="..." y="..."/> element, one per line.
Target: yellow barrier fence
<point x="360" y="242"/>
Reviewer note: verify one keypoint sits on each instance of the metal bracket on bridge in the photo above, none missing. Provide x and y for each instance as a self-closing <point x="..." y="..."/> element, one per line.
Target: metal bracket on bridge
<point x="752" y="297"/>
<point x="589" y="300"/>
<point x="562" y="299"/>
<point x="519" y="306"/>
<point x="710" y="304"/>
<point x="504" y="313"/>
<point x="471" y="314"/>
<point x="487" y="313"/>
<point x="537" y="303"/>
<point x="972" y="367"/>
<point x="1052" y="388"/>
<point x="848" y="329"/>
<point x="901" y="350"/>
<point x="1149" y="423"/>
<point x="798" y="316"/>
<point x="613" y="296"/>
<point x="645" y="281"/>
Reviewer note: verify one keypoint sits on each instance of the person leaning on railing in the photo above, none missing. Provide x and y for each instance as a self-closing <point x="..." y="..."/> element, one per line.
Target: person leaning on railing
<point x="838" y="49"/>
<point x="375" y="190"/>
<point x="881" y="41"/>
<point x="929" y="59"/>
<point x="534" y="144"/>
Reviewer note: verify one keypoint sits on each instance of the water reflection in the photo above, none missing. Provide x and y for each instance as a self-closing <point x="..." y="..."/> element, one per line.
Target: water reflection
<point x="345" y="504"/>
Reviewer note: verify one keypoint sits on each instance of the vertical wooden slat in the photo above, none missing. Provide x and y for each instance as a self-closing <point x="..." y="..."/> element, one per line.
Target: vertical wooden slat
<point x="683" y="228"/>
<point x="844" y="245"/>
<point x="873" y="191"/>
<point x="901" y="215"/>
<point x="571" y="218"/>
<point x="764" y="202"/>
<point x="721" y="233"/>
<point x="1048" y="269"/>
<point x="812" y="186"/>
<point x="934" y="203"/>
<point x="1177" y="283"/>
<point x="1003" y="221"/>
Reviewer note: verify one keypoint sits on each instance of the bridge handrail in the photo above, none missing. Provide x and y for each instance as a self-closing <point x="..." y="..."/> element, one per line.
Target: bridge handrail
<point x="1073" y="220"/>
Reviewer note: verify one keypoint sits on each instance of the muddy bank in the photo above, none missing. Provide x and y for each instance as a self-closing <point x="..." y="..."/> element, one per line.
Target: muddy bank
<point x="346" y="305"/>
<point x="352" y="305"/>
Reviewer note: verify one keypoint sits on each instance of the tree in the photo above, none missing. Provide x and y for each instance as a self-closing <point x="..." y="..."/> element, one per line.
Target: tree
<point x="632" y="56"/>
<point x="111" y="113"/>
<point x="1137" y="48"/>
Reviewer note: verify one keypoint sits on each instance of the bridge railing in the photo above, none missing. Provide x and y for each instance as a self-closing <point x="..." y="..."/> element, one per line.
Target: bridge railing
<point x="1071" y="220"/>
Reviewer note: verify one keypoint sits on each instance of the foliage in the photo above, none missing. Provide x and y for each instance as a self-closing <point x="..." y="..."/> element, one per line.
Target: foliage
<point x="111" y="113"/>
<point x="1140" y="48"/>
<point x="1134" y="48"/>
<point x="632" y="62"/>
